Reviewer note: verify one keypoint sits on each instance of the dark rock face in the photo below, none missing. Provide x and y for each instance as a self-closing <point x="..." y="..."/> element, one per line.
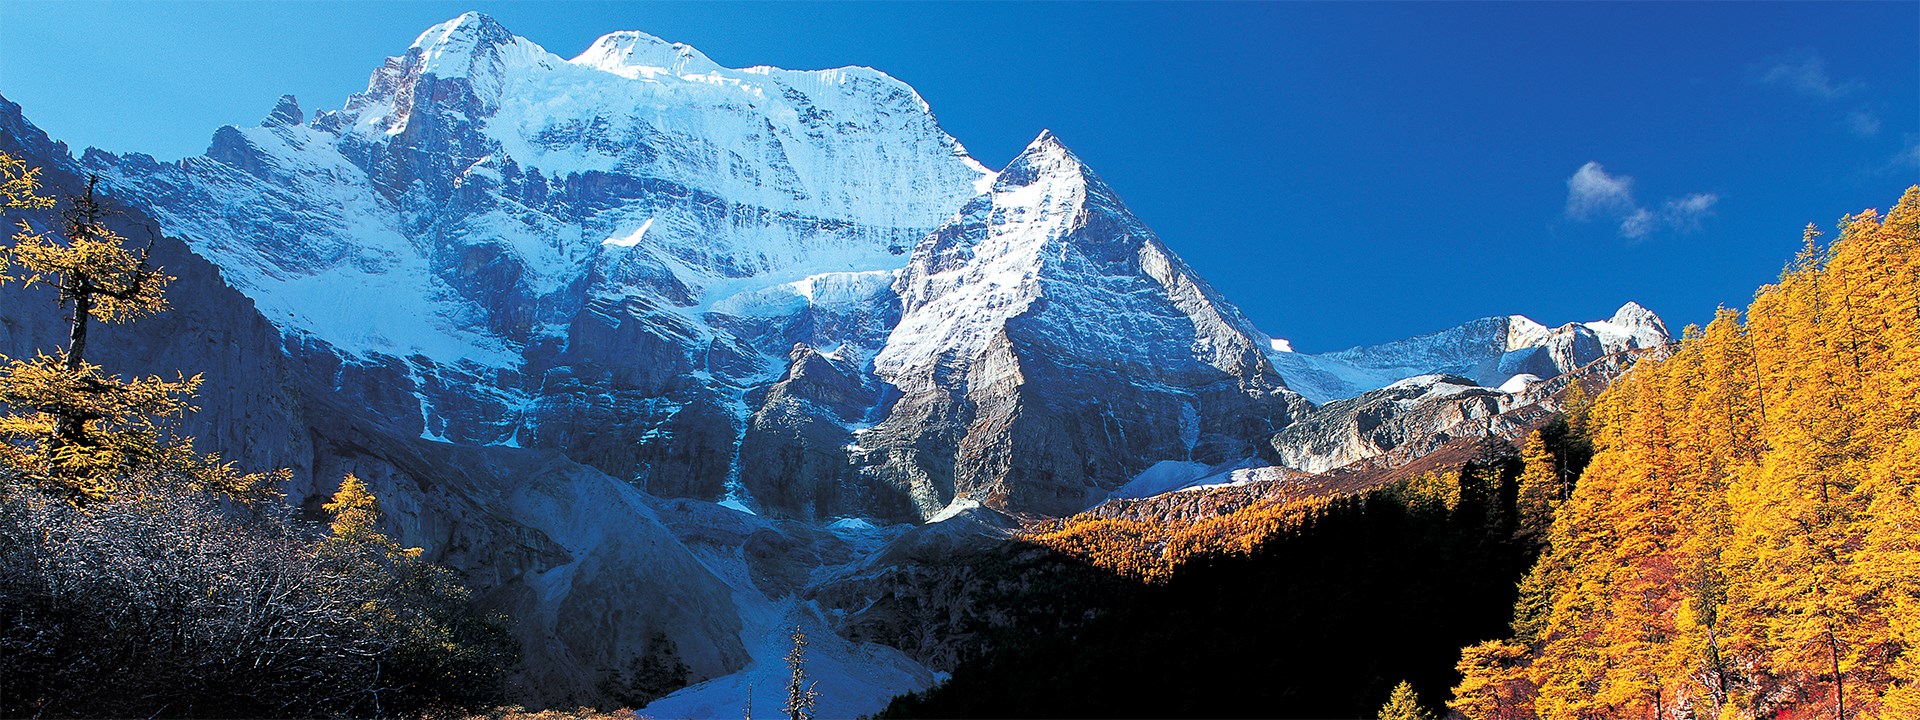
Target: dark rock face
<point x="793" y="459"/>
<point x="1410" y="417"/>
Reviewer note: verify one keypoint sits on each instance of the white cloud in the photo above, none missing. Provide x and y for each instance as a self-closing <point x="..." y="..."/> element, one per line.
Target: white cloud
<point x="1805" y="72"/>
<point x="1910" y="153"/>
<point x="1863" y="123"/>
<point x="1595" y="194"/>
<point x="1688" y="213"/>
<point x="1637" y="224"/>
<point x="1592" y="192"/>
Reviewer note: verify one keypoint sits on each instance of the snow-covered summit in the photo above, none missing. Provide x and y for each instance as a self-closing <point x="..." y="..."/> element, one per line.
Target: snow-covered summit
<point x="1052" y="245"/>
<point x="632" y="53"/>
<point x="488" y="218"/>
<point x="458" y="47"/>
<point x="638" y="164"/>
<point x="1632" y="325"/>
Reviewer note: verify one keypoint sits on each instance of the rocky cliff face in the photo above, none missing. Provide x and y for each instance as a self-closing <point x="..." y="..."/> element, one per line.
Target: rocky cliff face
<point x="1410" y="417"/>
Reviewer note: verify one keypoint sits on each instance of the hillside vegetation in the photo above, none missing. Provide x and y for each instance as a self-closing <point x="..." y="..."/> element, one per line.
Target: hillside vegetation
<point x="141" y="578"/>
<point x="1746" y="541"/>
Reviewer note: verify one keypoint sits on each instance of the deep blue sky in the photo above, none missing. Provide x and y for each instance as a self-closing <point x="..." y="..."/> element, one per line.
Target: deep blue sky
<point x="1347" y="173"/>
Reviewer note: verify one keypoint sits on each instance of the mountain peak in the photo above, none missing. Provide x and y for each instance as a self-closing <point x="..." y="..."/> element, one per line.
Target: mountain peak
<point x="449" y="48"/>
<point x="1047" y="145"/>
<point x="285" y="112"/>
<point x="633" y="53"/>
<point x="469" y="29"/>
<point x="1633" y="313"/>
<point x="1639" y="322"/>
<point x="1046" y="158"/>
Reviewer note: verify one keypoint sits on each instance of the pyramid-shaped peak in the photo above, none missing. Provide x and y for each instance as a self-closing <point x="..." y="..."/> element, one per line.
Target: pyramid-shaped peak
<point x="1046" y="158"/>
<point x="1047" y="145"/>
<point x="626" y="52"/>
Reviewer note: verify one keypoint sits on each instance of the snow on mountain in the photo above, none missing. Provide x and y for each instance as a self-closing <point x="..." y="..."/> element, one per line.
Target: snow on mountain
<point x="577" y="254"/>
<point x="634" y="144"/>
<point x="1050" y="347"/>
<point x="1490" y="351"/>
<point x="1052" y="243"/>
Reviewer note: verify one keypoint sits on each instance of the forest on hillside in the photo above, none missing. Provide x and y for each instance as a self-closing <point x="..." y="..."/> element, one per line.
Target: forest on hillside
<point x="1746" y="542"/>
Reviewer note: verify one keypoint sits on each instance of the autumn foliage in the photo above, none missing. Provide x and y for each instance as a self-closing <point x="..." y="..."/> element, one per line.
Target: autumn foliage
<point x="1746" y="541"/>
<point x="1150" y="551"/>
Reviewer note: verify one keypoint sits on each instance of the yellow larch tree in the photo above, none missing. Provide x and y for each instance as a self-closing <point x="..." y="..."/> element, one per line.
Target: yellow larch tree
<point x="1746" y="540"/>
<point x="67" y="425"/>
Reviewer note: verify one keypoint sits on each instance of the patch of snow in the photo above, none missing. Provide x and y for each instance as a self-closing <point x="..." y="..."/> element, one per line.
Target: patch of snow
<point x="1519" y="383"/>
<point x="852" y="525"/>
<point x="1175" y="475"/>
<point x="954" y="509"/>
<point x="630" y="239"/>
<point x="1162" y="477"/>
<point x="1280" y="345"/>
<point x="853" y="679"/>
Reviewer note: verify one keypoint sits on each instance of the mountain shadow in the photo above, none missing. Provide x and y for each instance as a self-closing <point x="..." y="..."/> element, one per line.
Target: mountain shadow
<point x="1320" y="620"/>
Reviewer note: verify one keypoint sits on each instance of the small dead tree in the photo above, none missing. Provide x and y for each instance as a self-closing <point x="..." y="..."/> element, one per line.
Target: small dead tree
<point x="801" y="696"/>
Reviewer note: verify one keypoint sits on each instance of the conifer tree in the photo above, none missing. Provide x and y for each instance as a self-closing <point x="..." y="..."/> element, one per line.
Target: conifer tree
<point x="69" y="426"/>
<point x="801" y="696"/>
<point x="1403" y="704"/>
<point x="1493" y="684"/>
<point x="1538" y="489"/>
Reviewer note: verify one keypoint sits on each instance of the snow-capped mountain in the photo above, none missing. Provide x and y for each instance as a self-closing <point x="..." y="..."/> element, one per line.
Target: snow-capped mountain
<point x="1491" y="352"/>
<point x="598" y="254"/>
<point x="571" y="317"/>
<point x="1050" y="347"/>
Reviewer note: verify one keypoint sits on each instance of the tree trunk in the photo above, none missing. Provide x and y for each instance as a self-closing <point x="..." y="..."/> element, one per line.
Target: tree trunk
<point x="77" y="331"/>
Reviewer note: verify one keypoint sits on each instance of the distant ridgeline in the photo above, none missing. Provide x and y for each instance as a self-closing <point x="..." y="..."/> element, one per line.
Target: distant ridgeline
<point x="1746" y="542"/>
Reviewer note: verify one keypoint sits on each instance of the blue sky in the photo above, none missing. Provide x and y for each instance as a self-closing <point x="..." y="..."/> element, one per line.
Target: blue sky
<point x="1347" y="173"/>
